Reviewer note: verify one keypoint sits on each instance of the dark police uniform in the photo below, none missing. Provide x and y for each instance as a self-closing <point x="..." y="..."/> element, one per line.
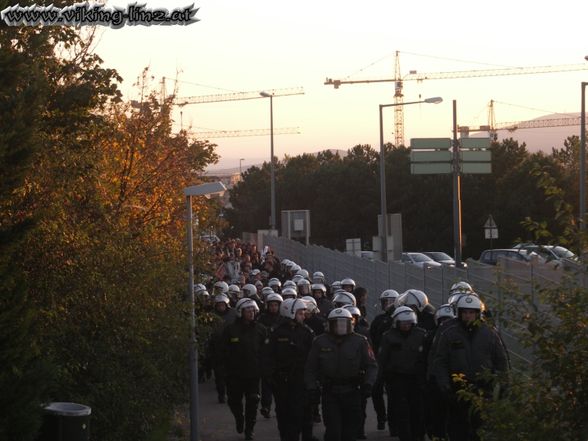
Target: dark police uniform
<point x="270" y="321"/>
<point x="242" y="347"/>
<point x="288" y="350"/>
<point x="467" y="350"/>
<point x="346" y="368"/>
<point x="402" y="361"/>
<point x="381" y="324"/>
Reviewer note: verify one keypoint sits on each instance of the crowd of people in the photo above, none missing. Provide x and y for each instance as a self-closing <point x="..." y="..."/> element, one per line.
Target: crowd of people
<point x="284" y="336"/>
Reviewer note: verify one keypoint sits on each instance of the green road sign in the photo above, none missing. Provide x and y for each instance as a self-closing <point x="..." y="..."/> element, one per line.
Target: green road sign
<point x="430" y="168"/>
<point x="426" y="156"/>
<point x="474" y="143"/>
<point x="430" y="143"/>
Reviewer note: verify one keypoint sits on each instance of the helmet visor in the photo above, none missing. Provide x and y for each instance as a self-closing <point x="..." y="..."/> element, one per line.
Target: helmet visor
<point x="340" y="326"/>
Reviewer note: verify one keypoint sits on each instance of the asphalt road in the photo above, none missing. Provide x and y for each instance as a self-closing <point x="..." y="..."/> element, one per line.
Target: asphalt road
<point x="216" y="423"/>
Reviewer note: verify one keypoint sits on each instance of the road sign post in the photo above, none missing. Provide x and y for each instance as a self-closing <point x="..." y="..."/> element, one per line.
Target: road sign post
<point x="490" y="230"/>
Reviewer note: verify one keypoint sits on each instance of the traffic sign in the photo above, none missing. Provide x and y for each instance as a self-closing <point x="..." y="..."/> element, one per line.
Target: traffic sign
<point x="490" y="229"/>
<point x="474" y="143"/>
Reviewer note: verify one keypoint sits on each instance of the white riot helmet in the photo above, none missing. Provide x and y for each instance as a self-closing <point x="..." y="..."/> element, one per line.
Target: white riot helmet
<point x="354" y="310"/>
<point x="289" y="293"/>
<point x="275" y="284"/>
<point x="452" y="301"/>
<point x="470" y="301"/>
<point x="413" y="298"/>
<point x="348" y="284"/>
<point x="285" y="306"/>
<point x="335" y="286"/>
<point x="318" y="277"/>
<point x="403" y="314"/>
<point x="303" y="273"/>
<point x="461" y="287"/>
<point x="303" y="286"/>
<point x="293" y="307"/>
<point x="254" y="272"/>
<point x="295" y="268"/>
<point x="289" y="284"/>
<point x="343" y="298"/>
<point x="443" y="313"/>
<point x="244" y="304"/>
<point x="274" y="297"/>
<point x="318" y="287"/>
<point x="234" y="291"/>
<point x="266" y="291"/>
<point x="199" y="287"/>
<point x="220" y="288"/>
<point x="221" y="298"/>
<point x="387" y="298"/>
<point x="311" y="304"/>
<point x="340" y="322"/>
<point x="249" y="290"/>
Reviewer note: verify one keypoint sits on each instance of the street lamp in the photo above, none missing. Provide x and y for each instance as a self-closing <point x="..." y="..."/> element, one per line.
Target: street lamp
<point x="383" y="208"/>
<point x="583" y="159"/>
<point x="240" y="169"/>
<point x="207" y="190"/>
<point x="272" y="170"/>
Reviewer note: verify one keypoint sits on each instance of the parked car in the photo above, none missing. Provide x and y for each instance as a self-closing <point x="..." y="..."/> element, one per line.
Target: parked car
<point x="549" y="252"/>
<point x="490" y="257"/>
<point x="419" y="259"/>
<point x="441" y="257"/>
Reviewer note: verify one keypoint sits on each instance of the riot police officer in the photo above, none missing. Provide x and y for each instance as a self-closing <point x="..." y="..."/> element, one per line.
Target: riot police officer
<point x="402" y="360"/>
<point x="342" y="363"/>
<point x="243" y="343"/>
<point x="288" y="349"/>
<point x="381" y="324"/>
<point x="467" y="347"/>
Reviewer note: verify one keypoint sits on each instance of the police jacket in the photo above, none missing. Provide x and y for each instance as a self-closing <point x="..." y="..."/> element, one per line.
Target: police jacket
<point x="426" y="318"/>
<point x="317" y="323"/>
<point x="325" y="306"/>
<point x="270" y="321"/>
<point x="340" y="360"/>
<point x="287" y="351"/>
<point x="242" y="346"/>
<point x="380" y="324"/>
<point x="467" y="350"/>
<point x="403" y="353"/>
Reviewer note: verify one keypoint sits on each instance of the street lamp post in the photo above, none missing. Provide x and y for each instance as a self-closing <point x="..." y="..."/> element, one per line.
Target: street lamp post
<point x="383" y="207"/>
<point x="583" y="159"/>
<point x="207" y="190"/>
<point x="240" y="168"/>
<point x="272" y="169"/>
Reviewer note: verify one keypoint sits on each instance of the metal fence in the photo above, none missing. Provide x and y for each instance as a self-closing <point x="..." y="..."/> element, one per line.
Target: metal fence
<point x="494" y="284"/>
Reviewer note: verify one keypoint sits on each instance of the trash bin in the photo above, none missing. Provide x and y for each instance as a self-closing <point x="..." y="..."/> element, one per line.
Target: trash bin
<point x="65" y="422"/>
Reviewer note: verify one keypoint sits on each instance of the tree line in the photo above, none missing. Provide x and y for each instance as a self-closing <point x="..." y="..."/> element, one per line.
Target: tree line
<point x="342" y="193"/>
<point x="92" y="240"/>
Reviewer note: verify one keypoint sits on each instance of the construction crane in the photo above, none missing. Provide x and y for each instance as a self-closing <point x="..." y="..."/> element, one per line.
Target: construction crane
<point x="249" y="132"/>
<point x="237" y="96"/>
<point x="492" y="127"/>
<point x="414" y="76"/>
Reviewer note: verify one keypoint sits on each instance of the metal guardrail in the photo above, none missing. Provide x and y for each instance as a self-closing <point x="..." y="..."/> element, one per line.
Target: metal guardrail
<point x="494" y="284"/>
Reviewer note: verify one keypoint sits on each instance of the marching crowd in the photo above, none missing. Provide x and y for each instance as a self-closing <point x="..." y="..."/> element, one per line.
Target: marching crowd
<point x="285" y="336"/>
